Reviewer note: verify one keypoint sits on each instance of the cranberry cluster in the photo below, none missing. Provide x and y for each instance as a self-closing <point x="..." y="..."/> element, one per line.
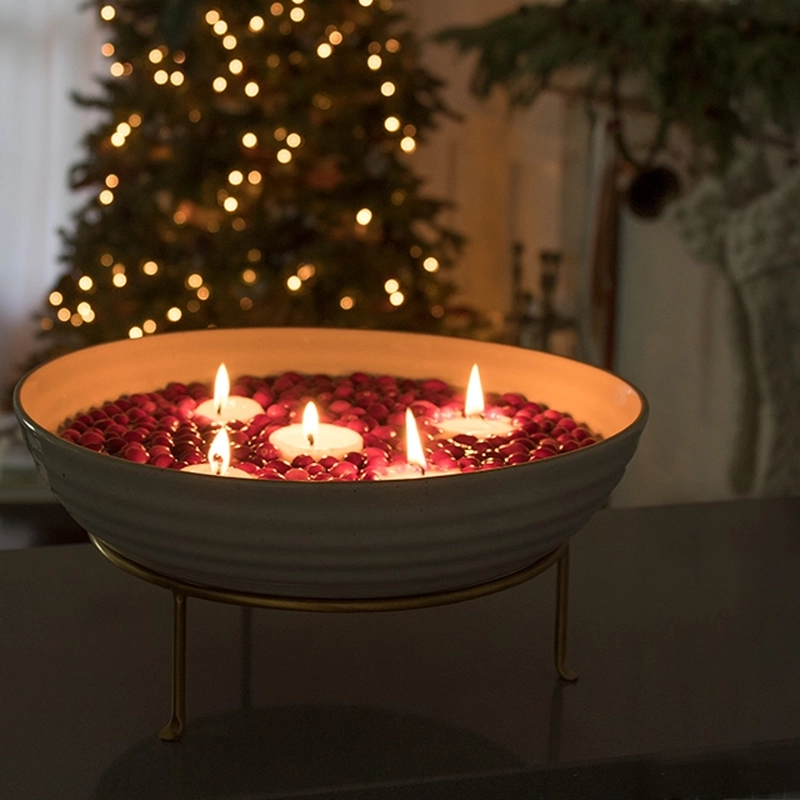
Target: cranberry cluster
<point x="161" y="428"/>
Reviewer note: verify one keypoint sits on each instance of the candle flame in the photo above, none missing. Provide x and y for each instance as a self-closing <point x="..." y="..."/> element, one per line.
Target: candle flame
<point x="222" y="388"/>
<point x="310" y="422"/>
<point x="473" y="403"/>
<point x="414" y="451"/>
<point x="219" y="454"/>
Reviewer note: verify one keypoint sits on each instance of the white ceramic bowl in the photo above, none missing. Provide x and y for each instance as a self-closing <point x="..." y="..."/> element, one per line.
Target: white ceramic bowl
<point x="337" y="540"/>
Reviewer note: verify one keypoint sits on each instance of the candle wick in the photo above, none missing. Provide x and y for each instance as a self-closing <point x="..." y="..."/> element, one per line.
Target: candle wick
<point x="217" y="463"/>
<point x="219" y="406"/>
<point x="421" y="469"/>
<point x="311" y="439"/>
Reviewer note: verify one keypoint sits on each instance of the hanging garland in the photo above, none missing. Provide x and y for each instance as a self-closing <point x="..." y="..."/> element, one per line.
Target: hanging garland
<point x="723" y="71"/>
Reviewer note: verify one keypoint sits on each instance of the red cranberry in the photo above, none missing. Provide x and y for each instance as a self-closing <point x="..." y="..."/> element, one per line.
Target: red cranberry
<point x="587" y="441"/>
<point x="115" y="444"/>
<point x="565" y="447"/>
<point x="279" y="465"/>
<point x="302" y="461"/>
<point x="161" y="460"/>
<point x="315" y="469"/>
<point x="79" y="426"/>
<point x="295" y="474"/>
<point x="358" y="459"/>
<point x="542" y="452"/>
<point x="518" y="458"/>
<point x="344" y="470"/>
<point x="246" y="466"/>
<point x="136" y="452"/>
<point x="270" y="474"/>
<point x="70" y="434"/>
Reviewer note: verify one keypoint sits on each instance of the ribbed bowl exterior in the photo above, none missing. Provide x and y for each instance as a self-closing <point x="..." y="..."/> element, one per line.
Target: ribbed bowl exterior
<point x="335" y="540"/>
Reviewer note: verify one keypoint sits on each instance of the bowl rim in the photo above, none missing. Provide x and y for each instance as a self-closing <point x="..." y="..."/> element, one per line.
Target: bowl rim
<point x="635" y="427"/>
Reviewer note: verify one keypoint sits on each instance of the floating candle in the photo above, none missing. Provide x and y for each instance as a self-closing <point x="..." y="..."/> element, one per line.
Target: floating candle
<point x="314" y="438"/>
<point x="219" y="459"/>
<point x="474" y="422"/>
<point x="224" y="407"/>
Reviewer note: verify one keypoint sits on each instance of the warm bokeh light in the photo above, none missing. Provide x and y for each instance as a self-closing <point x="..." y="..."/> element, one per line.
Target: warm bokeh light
<point x="280" y="134"/>
<point x="364" y="216"/>
<point x="85" y="283"/>
<point x="391" y="124"/>
<point x="135" y="332"/>
<point x="253" y="255"/>
<point x="256" y="24"/>
<point x="108" y="49"/>
<point x="229" y="41"/>
<point x="249" y="140"/>
<point x="374" y="62"/>
<point x="236" y="66"/>
<point x="306" y="271"/>
<point x="254" y="177"/>
<point x="294" y="140"/>
<point x="149" y="326"/>
<point x="108" y="13"/>
<point x="230" y="204"/>
<point x="430" y="264"/>
<point x="212" y="16"/>
<point x="324" y="50"/>
<point x="276" y="9"/>
<point x="155" y="56"/>
<point x="249" y="276"/>
<point x="220" y="27"/>
<point x="106" y="259"/>
<point x="203" y="293"/>
<point x="160" y="76"/>
<point x="124" y="128"/>
<point x="150" y="268"/>
<point x="251" y="89"/>
<point x="293" y="283"/>
<point x="176" y="78"/>
<point x="408" y="144"/>
<point x="174" y="314"/>
<point x="365" y="3"/>
<point x="63" y="314"/>
<point x="347" y="302"/>
<point x="397" y="298"/>
<point x="112" y="181"/>
<point x="392" y="45"/>
<point x="235" y="177"/>
<point x="220" y="84"/>
<point x="388" y="88"/>
<point x="335" y="37"/>
<point x="245" y="304"/>
<point x="56" y="298"/>
<point x="297" y="15"/>
<point x="284" y="156"/>
<point x="106" y="197"/>
<point x="119" y="280"/>
<point x="392" y="285"/>
<point x="194" y="281"/>
<point x="117" y="69"/>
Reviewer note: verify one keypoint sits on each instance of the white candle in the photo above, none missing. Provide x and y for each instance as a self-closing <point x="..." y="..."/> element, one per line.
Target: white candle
<point x="224" y="407"/>
<point x="473" y="422"/>
<point x="219" y="459"/>
<point x="314" y="438"/>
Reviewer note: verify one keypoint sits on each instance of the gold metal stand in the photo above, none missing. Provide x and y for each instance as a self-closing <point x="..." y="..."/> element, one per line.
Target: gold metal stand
<point x="181" y="590"/>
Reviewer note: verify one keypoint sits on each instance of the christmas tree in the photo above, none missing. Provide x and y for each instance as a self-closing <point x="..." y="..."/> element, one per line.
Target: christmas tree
<point x="251" y="168"/>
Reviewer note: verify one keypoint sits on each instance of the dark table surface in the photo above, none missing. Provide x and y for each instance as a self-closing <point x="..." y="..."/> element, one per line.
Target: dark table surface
<point x="684" y="626"/>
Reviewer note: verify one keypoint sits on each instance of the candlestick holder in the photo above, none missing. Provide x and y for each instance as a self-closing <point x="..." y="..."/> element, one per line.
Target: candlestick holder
<point x="182" y="590"/>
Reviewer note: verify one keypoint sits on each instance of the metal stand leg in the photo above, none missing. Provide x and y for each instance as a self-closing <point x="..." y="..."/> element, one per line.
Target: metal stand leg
<point x="172" y="732"/>
<point x="562" y="596"/>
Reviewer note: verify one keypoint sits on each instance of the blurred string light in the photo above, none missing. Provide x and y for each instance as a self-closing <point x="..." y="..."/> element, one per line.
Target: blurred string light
<point x="430" y="264"/>
<point x="408" y="144"/>
<point x="364" y="216"/>
<point x="256" y="24"/>
<point x="284" y="156"/>
<point x="388" y="88"/>
<point x="391" y="286"/>
<point x="150" y="268"/>
<point x="397" y="298"/>
<point x="293" y="283"/>
<point x="347" y="302"/>
<point x="374" y="62"/>
<point x="107" y="13"/>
